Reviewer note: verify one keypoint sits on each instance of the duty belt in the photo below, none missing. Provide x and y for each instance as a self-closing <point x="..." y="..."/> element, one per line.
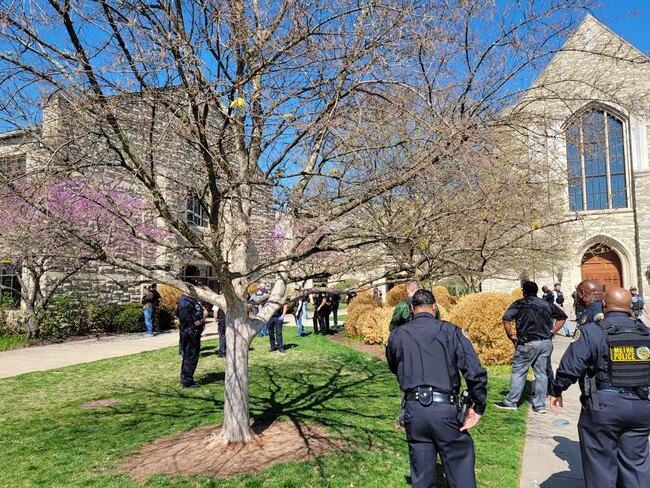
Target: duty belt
<point x="603" y="386"/>
<point x="425" y="395"/>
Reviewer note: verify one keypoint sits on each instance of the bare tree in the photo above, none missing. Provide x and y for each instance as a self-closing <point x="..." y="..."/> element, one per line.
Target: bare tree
<point x="282" y="123"/>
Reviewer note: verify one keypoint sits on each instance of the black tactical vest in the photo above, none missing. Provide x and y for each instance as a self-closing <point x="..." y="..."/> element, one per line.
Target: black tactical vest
<point x="628" y="350"/>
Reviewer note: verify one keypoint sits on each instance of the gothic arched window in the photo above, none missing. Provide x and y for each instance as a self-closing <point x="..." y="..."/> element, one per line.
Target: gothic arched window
<point x="596" y="162"/>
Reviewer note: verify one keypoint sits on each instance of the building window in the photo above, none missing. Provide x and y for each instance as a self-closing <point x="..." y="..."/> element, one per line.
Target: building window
<point x="10" y="285"/>
<point x="196" y="213"/>
<point x="596" y="162"/>
<point x="201" y="275"/>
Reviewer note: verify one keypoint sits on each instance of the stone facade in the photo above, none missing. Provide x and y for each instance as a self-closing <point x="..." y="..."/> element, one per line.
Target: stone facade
<point x="70" y="135"/>
<point x="595" y="70"/>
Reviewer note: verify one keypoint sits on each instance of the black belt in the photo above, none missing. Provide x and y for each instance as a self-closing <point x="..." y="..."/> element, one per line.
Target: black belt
<point x="436" y="397"/>
<point x="618" y="389"/>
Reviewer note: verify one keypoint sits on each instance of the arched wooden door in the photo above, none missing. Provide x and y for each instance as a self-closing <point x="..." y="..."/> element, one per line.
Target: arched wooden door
<point x="602" y="264"/>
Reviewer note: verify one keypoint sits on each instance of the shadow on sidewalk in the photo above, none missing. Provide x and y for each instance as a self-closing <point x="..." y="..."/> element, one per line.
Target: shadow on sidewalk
<point x="567" y="450"/>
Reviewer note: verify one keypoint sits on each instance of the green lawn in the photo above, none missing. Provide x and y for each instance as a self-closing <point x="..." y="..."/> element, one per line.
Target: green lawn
<point x="12" y="341"/>
<point x="46" y="440"/>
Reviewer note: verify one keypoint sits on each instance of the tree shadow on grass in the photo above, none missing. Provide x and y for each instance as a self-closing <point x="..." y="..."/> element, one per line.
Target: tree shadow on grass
<point x="353" y="397"/>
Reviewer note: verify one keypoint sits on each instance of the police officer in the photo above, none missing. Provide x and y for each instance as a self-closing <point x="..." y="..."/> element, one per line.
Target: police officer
<point x="611" y="357"/>
<point x="533" y="347"/>
<point x="192" y="319"/>
<point x="426" y="355"/>
<point x="590" y="295"/>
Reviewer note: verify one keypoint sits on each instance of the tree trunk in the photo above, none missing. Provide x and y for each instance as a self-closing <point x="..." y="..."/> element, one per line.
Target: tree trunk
<point x="236" y="415"/>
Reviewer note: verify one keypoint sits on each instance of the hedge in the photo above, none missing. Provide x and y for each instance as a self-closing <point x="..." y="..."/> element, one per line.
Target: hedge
<point x="70" y="314"/>
<point x="479" y="314"/>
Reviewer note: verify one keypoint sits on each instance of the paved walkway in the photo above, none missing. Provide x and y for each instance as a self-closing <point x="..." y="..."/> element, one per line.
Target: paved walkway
<point x="42" y="358"/>
<point x="552" y="451"/>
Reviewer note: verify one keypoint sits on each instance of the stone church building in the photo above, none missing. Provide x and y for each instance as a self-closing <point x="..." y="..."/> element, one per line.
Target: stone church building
<point x="588" y="117"/>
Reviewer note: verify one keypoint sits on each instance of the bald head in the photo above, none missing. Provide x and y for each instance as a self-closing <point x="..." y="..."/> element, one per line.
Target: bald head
<point x="412" y="287"/>
<point x="617" y="300"/>
<point x="589" y="291"/>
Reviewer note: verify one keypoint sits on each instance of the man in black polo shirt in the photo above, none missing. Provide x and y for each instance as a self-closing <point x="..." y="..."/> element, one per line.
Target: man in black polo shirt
<point x="533" y="346"/>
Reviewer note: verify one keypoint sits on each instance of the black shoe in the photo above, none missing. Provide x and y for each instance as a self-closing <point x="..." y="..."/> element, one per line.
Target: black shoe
<point x="221" y="355"/>
<point x="281" y="349"/>
<point x="192" y="385"/>
<point x="273" y="349"/>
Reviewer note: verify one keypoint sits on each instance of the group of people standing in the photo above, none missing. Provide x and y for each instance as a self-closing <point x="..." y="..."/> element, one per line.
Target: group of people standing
<point x="609" y="356"/>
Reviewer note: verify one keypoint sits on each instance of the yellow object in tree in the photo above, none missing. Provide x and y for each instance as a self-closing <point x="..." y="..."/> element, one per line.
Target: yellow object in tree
<point x="237" y="102"/>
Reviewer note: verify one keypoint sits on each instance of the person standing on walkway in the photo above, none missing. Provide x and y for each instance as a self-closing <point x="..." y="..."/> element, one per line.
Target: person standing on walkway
<point x="533" y="346"/>
<point x="558" y="299"/>
<point x="151" y="302"/>
<point x="611" y="358"/>
<point x="638" y="304"/>
<point x="428" y="356"/>
<point x="590" y="295"/>
<point x="191" y="317"/>
<point x="299" y="309"/>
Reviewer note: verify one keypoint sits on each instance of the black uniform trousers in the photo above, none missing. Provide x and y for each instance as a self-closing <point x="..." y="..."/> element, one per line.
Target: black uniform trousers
<point x="435" y="430"/>
<point x="315" y="321"/>
<point x="614" y="441"/>
<point x="190" y="343"/>
<point x="324" y="321"/>
<point x="275" y="334"/>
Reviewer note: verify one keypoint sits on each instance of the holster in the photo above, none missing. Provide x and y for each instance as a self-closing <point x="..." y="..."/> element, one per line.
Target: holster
<point x="592" y="390"/>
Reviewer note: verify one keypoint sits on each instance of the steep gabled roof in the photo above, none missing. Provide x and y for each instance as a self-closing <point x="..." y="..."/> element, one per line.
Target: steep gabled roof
<point x="582" y="40"/>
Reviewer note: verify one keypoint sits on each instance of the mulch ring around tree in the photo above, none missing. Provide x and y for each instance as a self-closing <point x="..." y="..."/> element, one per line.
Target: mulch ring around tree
<point x="189" y="453"/>
<point x="376" y="350"/>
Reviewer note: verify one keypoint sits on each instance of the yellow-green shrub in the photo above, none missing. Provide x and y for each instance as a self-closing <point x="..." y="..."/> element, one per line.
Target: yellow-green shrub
<point x="374" y="325"/>
<point x="358" y="308"/>
<point x="517" y="293"/>
<point x="479" y="314"/>
<point x="396" y="295"/>
<point x="365" y="298"/>
<point x="443" y="297"/>
<point x="169" y="296"/>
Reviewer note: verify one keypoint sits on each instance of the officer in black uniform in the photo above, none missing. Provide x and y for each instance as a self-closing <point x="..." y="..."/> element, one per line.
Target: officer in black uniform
<point x="611" y="357"/>
<point x="192" y="319"/>
<point x="426" y="355"/>
<point x="590" y="294"/>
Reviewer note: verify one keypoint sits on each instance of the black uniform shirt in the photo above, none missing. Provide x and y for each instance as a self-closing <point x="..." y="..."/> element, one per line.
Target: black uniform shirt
<point x="589" y="315"/>
<point x="533" y="316"/>
<point x="188" y="311"/>
<point x="587" y="354"/>
<point x="430" y="352"/>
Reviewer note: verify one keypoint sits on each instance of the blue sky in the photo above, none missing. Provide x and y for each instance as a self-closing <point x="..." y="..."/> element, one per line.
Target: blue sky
<point x="628" y="18"/>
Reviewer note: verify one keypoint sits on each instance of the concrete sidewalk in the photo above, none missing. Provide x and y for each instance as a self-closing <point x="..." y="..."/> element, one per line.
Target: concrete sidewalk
<point x="52" y="356"/>
<point x="552" y="450"/>
<point x="42" y="358"/>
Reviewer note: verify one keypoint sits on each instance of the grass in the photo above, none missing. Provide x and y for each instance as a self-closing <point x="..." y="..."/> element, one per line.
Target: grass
<point x="46" y="440"/>
<point x="12" y="341"/>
